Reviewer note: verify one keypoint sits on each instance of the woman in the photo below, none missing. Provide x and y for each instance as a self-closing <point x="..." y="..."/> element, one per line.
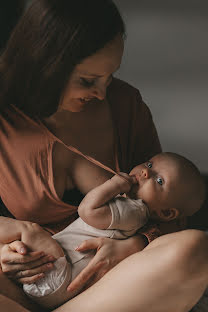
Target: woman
<point x="57" y="90"/>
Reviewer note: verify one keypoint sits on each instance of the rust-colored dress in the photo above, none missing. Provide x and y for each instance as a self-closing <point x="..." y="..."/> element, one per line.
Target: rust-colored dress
<point x="26" y="175"/>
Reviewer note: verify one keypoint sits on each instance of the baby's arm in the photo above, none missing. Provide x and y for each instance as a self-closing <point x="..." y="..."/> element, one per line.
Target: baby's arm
<point x="94" y="208"/>
<point x="31" y="234"/>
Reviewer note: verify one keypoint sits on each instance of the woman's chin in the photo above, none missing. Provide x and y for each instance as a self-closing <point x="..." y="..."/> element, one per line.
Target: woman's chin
<point x="73" y="108"/>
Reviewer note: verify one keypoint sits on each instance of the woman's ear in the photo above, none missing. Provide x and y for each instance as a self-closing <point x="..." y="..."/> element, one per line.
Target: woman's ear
<point x="168" y="214"/>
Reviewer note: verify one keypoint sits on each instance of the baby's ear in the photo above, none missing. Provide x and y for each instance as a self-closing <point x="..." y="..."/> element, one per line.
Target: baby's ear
<point x="168" y="214"/>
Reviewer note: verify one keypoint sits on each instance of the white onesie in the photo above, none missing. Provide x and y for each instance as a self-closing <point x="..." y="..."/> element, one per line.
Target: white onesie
<point x="128" y="216"/>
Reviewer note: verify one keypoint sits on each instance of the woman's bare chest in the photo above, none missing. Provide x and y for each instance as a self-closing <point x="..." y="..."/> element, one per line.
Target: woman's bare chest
<point x="95" y="139"/>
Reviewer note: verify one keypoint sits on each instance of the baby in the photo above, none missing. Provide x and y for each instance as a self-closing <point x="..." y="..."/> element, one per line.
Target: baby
<point x="164" y="188"/>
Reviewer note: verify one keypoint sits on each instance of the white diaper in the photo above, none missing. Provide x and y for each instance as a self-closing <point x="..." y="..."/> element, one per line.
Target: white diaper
<point x="52" y="281"/>
<point x="50" y="291"/>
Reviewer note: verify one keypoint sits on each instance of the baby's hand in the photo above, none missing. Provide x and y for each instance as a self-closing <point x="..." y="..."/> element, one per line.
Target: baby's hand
<point x="124" y="182"/>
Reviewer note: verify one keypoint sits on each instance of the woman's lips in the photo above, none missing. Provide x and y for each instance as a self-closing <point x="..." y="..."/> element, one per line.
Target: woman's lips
<point x="85" y="100"/>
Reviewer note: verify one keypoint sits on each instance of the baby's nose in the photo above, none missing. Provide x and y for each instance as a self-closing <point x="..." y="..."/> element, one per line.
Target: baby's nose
<point x="144" y="173"/>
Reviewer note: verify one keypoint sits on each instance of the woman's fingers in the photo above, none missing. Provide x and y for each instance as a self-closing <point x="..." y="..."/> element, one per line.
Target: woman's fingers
<point x="31" y="279"/>
<point x="27" y="273"/>
<point x="8" y="256"/>
<point x="96" y="265"/>
<point x="85" y="275"/>
<point x="24" y="267"/>
<point x="90" y="244"/>
<point x="31" y="272"/>
<point x="31" y="276"/>
<point x="38" y="265"/>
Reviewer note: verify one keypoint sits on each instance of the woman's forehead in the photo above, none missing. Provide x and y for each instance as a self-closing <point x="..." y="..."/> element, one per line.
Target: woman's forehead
<point x="103" y="61"/>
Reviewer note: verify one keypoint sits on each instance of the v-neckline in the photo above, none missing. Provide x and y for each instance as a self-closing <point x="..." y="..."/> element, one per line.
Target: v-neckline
<point x="89" y="158"/>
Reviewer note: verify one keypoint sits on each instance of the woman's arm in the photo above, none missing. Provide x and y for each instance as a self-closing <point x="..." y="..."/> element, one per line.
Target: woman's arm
<point x="94" y="208"/>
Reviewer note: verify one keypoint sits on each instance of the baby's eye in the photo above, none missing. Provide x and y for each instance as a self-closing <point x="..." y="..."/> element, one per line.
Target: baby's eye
<point x="159" y="180"/>
<point x="87" y="82"/>
<point x="149" y="165"/>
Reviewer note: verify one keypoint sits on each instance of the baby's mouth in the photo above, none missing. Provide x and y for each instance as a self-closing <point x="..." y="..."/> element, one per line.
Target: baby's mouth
<point x="137" y="177"/>
<point x="133" y="191"/>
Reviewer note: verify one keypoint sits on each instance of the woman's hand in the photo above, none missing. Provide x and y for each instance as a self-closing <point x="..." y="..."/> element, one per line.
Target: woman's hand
<point x="23" y="266"/>
<point x="109" y="253"/>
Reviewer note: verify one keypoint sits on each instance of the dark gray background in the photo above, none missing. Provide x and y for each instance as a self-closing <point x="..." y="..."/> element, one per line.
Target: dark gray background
<point x="166" y="57"/>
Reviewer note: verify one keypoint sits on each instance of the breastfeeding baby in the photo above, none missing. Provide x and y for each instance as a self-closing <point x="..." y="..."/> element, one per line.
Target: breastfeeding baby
<point x="164" y="188"/>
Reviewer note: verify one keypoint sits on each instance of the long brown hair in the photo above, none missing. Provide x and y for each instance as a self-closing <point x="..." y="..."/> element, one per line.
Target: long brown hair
<point x="51" y="38"/>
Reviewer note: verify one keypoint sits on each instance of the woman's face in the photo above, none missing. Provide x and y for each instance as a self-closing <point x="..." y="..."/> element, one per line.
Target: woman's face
<point x="90" y="79"/>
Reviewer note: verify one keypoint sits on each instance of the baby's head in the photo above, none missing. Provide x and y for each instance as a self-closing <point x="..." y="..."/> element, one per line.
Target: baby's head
<point x="170" y="185"/>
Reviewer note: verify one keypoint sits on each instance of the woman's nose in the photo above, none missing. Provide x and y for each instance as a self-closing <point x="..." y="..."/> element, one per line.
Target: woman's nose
<point x="100" y="93"/>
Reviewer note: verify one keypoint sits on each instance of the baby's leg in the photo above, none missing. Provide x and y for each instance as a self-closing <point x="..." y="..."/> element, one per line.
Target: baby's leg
<point x="170" y="275"/>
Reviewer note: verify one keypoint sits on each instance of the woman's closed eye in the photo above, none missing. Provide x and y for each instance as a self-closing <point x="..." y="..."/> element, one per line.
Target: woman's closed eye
<point x="87" y="82"/>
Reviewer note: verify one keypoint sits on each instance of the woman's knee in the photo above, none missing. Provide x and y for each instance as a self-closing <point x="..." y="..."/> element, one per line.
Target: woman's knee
<point x="195" y="251"/>
<point x="192" y="245"/>
<point x="188" y="251"/>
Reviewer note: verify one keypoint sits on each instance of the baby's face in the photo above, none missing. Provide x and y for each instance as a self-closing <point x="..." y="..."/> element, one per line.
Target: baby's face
<point x="158" y="182"/>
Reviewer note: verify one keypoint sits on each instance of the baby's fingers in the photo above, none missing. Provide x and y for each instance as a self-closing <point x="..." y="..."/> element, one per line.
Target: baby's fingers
<point x="18" y="246"/>
<point x="84" y="276"/>
<point x="133" y="179"/>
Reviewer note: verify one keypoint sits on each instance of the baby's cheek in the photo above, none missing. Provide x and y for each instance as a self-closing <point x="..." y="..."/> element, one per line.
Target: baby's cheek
<point x="146" y="192"/>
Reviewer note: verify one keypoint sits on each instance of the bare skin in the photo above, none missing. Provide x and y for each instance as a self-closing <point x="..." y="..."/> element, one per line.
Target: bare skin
<point x="135" y="284"/>
<point x="12" y="297"/>
<point x="183" y="279"/>
<point x="71" y="165"/>
<point x="9" y="305"/>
